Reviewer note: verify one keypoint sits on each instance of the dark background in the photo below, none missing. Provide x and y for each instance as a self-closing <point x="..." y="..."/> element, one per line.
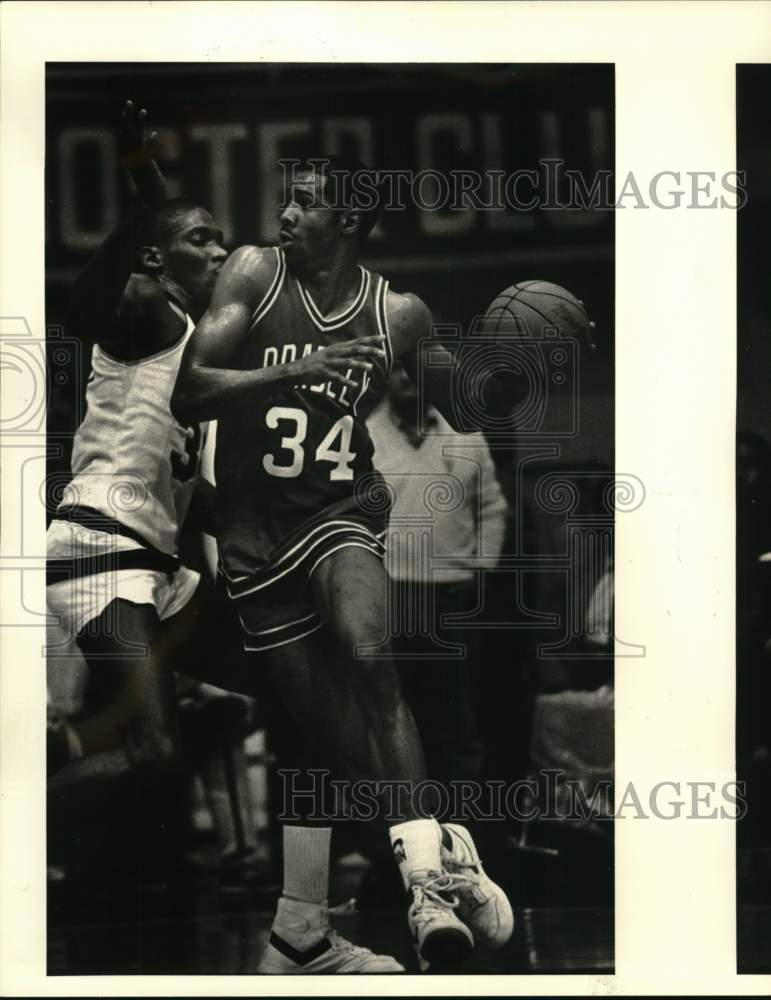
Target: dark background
<point x="222" y="129"/>
<point x="754" y="250"/>
<point x="753" y="517"/>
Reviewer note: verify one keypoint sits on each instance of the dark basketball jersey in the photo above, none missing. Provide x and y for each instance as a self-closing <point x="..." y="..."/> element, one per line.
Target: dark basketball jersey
<point x="285" y="457"/>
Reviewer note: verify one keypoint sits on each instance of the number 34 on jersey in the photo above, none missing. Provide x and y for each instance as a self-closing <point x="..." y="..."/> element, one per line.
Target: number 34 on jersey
<point x="289" y="461"/>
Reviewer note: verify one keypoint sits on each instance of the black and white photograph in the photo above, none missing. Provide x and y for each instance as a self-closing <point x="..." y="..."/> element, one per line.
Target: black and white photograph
<point x="385" y="474"/>
<point x="330" y="502"/>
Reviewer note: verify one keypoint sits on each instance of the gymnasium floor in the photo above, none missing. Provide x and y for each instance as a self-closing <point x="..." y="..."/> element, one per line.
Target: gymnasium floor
<point x="227" y="939"/>
<point x="105" y="928"/>
<point x="109" y="929"/>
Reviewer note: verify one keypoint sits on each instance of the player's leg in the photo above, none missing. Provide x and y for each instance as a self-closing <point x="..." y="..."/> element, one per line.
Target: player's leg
<point x="320" y="691"/>
<point x="128" y="733"/>
<point x="438" y="864"/>
<point x="350" y="593"/>
<point x="113" y="620"/>
<point x="301" y="939"/>
<point x="138" y="708"/>
<point x="350" y="589"/>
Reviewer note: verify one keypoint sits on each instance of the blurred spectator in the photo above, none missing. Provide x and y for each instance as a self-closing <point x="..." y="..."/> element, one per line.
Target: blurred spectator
<point x="214" y="724"/>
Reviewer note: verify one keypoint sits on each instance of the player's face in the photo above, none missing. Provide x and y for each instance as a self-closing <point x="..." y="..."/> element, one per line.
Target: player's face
<point x="309" y="231"/>
<point x="193" y="254"/>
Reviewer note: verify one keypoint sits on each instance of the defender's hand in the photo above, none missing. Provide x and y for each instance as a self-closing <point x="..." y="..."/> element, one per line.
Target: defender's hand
<point x="136" y="152"/>
<point x="335" y="361"/>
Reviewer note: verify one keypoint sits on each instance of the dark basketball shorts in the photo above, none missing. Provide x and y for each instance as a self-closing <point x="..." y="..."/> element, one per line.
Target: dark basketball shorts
<point x="275" y="605"/>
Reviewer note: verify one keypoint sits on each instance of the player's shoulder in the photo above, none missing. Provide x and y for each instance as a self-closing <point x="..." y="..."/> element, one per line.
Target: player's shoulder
<point x="143" y="293"/>
<point x="406" y="309"/>
<point x="144" y="306"/>
<point x="145" y="322"/>
<point x="249" y="272"/>
<point x="409" y="319"/>
<point x="256" y="263"/>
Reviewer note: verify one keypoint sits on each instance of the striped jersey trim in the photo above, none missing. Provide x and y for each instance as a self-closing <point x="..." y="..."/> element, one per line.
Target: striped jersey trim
<point x="323" y="532"/>
<point x="376" y="550"/>
<point x="326" y="323"/>
<point x="381" y="314"/>
<point x="319" y="527"/>
<point x="255" y="646"/>
<point x="279" y="628"/>
<point x="272" y="293"/>
<point x="366" y="380"/>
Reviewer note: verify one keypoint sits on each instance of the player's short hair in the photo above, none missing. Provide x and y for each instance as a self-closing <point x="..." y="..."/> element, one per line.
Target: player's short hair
<point x="158" y="226"/>
<point x="164" y="220"/>
<point x="351" y="184"/>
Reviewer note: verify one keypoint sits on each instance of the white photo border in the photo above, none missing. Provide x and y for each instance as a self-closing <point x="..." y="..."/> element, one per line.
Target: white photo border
<point x="675" y="73"/>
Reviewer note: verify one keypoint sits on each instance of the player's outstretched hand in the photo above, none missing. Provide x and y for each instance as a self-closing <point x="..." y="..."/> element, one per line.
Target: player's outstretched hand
<point x="136" y="153"/>
<point x="335" y="361"/>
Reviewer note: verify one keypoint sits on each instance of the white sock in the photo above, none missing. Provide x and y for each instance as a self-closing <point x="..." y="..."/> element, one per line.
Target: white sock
<point x="416" y="846"/>
<point x="306" y="863"/>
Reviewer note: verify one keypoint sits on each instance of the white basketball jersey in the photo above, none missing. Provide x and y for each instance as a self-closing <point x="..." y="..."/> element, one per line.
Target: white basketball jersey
<point x="131" y="459"/>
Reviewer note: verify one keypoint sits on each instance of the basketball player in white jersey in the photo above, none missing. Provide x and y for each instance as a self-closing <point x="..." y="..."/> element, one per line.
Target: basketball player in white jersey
<point x="113" y="571"/>
<point x="301" y="547"/>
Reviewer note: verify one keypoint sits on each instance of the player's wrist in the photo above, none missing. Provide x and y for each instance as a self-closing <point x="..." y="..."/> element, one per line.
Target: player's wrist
<point x="149" y="184"/>
<point x="282" y="374"/>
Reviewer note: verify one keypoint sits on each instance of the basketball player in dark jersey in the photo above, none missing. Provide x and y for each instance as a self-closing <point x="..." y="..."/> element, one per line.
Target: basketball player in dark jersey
<point x="293" y="354"/>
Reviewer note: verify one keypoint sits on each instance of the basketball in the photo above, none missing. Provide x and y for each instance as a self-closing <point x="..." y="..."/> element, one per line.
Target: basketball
<point x="531" y="308"/>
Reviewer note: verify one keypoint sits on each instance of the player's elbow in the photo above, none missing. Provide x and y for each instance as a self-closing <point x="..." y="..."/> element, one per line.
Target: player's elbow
<point x="183" y="401"/>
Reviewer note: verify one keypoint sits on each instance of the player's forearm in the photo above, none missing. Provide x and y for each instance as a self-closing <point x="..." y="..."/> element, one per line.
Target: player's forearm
<point x="204" y="393"/>
<point x="98" y="290"/>
<point x="149" y="184"/>
<point x="204" y="508"/>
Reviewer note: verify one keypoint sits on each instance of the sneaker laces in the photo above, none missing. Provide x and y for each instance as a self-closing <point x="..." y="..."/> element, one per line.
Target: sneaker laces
<point x="343" y="909"/>
<point x="431" y="890"/>
<point x="474" y="865"/>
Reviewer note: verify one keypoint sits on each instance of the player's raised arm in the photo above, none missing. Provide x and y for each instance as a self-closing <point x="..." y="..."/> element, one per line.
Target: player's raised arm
<point x="208" y="383"/>
<point x="99" y="290"/>
<point x="438" y="373"/>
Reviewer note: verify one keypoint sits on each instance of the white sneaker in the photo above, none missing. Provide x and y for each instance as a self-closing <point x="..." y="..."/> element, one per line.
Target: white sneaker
<point x="483" y="905"/>
<point x="302" y="943"/>
<point x="441" y="940"/>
